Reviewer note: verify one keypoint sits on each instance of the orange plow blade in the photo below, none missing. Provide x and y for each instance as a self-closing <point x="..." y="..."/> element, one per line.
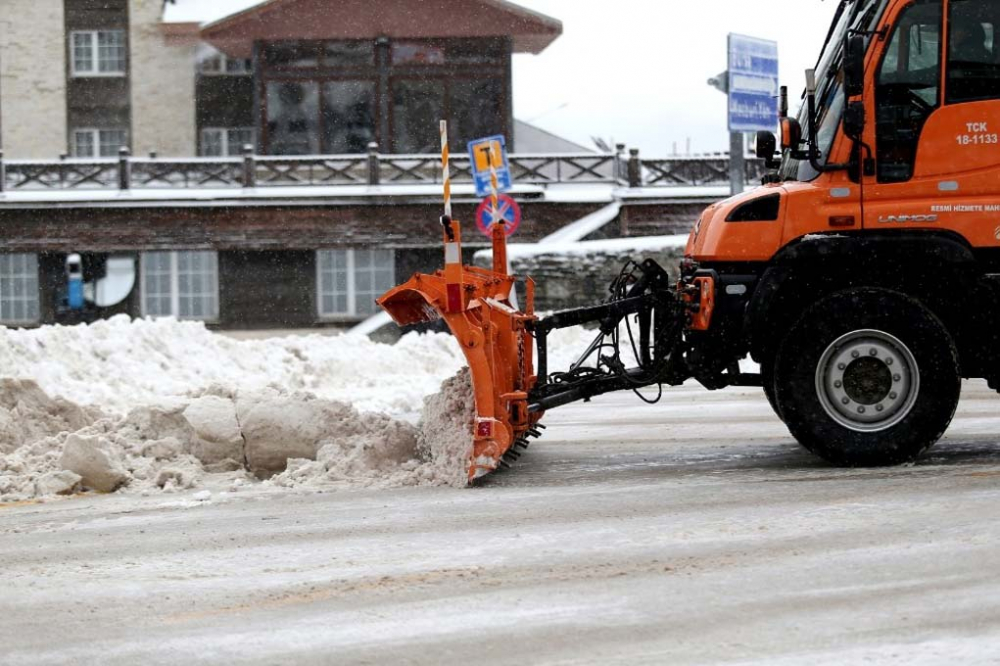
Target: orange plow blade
<point x="477" y="306"/>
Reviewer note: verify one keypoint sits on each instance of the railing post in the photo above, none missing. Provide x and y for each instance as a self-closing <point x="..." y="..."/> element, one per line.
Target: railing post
<point x="619" y="174"/>
<point x="249" y="166"/>
<point x="62" y="170"/>
<point x="634" y="169"/>
<point x="124" y="169"/>
<point x="374" y="168"/>
<point x="3" y="174"/>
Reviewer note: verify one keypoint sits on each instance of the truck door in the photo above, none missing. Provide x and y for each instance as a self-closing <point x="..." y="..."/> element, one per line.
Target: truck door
<point x="937" y="122"/>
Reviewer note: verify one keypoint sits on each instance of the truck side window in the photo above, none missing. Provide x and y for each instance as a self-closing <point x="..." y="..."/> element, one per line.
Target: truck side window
<point x="973" y="62"/>
<point x="908" y="89"/>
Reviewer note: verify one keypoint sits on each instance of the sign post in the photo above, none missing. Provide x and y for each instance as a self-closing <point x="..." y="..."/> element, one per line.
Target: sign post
<point x="486" y="156"/>
<point x="753" y="97"/>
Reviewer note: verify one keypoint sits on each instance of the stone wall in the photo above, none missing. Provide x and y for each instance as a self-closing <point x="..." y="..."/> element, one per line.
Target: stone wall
<point x="32" y="79"/>
<point x="574" y="279"/>
<point x="163" y="86"/>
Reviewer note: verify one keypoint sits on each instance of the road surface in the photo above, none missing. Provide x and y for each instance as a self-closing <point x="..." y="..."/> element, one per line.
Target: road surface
<point x="693" y="532"/>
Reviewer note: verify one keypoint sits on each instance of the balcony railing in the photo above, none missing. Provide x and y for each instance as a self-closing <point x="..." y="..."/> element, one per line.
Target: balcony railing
<point x="626" y="169"/>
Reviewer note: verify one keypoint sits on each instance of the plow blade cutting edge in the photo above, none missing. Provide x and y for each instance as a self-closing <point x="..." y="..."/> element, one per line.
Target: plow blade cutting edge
<point x="477" y="306"/>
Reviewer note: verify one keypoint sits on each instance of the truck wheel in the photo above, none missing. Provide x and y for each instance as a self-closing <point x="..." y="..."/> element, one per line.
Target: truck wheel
<point x="767" y="379"/>
<point x="867" y="377"/>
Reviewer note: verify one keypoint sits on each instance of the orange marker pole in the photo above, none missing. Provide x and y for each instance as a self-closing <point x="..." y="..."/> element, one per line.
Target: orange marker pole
<point x="453" y="272"/>
<point x="499" y="229"/>
<point x="446" y="168"/>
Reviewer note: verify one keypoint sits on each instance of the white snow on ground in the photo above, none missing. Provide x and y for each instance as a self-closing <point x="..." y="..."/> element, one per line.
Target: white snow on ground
<point x="151" y="405"/>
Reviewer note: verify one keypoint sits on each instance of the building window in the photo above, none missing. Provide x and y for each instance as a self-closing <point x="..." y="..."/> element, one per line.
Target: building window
<point x="19" y="288"/>
<point x="349" y="281"/>
<point x="181" y="284"/>
<point x="212" y="62"/>
<point x="93" y="143"/>
<point x="224" y="142"/>
<point x="98" y="53"/>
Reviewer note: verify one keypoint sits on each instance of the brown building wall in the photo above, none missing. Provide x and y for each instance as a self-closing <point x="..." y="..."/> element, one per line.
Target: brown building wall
<point x="254" y="227"/>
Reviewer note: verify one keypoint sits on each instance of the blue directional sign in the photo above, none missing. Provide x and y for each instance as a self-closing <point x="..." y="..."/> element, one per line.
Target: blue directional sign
<point x="753" y="84"/>
<point x="480" y="152"/>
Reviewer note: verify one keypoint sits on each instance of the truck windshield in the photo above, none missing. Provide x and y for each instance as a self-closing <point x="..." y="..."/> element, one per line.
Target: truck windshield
<point x="859" y="15"/>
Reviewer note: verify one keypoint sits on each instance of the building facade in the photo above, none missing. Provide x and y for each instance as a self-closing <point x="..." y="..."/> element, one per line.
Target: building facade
<point x="82" y="79"/>
<point x="290" y="77"/>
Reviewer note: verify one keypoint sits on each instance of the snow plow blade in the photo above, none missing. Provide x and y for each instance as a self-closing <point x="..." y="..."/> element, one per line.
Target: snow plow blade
<point x="477" y="305"/>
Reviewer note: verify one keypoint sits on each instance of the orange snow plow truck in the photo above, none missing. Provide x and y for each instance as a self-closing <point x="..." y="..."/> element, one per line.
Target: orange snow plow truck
<point x="863" y="275"/>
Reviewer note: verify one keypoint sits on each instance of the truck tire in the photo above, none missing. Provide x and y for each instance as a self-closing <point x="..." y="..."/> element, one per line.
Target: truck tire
<point x="767" y="379"/>
<point x="867" y="377"/>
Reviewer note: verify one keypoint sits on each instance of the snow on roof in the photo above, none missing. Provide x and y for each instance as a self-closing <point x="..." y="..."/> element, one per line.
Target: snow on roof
<point x="585" y="226"/>
<point x="615" y="246"/>
<point x="533" y="139"/>
<point x="204" y="12"/>
<point x="595" y="193"/>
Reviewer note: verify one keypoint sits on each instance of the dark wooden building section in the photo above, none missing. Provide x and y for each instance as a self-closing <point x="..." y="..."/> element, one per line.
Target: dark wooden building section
<point x="96" y="102"/>
<point x="267" y="251"/>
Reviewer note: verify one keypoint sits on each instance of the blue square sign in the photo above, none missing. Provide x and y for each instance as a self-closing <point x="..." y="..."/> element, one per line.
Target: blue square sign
<point x="480" y="153"/>
<point x="753" y="84"/>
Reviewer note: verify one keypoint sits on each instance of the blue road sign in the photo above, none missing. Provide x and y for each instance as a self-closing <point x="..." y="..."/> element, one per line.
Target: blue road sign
<point x="753" y="84"/>
<point x="479" y="156"/>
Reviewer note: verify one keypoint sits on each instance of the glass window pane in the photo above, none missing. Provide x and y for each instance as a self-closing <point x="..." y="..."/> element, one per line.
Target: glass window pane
<point x="237" y="138"/>
<point x="111" y="51"/>
<point x="292" y="55"/>
<point x="292" y="118"/>
<point x="417" y="108"/>
<point x="83" y="143"/>
<point x="477" y="108"/>
<point x="83" y="54"/>
<point x="19" y="297"/>
<point x="212" y="142"/>
<point x="365" y="304"/>
<point x="911" y="70"/>
<point x="112" y="141"/>
<point x="348" y="116"/>
<point x="417" y="53"/>
<point x="476" y="52"/>
<point x="349" y="54"/>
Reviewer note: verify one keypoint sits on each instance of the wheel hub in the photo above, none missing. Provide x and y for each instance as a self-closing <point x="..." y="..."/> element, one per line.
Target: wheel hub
<point x="867" y="380"/>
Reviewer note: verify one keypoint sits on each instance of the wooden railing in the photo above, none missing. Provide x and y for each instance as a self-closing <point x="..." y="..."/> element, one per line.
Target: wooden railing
<point x="374" y="168"/>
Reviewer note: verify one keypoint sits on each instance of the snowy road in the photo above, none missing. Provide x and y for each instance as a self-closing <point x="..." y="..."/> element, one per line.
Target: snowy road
<point x="691" y="532"/>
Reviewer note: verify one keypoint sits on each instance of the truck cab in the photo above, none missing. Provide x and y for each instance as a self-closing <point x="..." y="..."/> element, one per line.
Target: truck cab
<point x="885" y="200"/>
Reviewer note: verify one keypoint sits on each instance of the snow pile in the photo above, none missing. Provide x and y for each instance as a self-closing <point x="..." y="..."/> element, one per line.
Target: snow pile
<point x="152" y="406"/>
<point x="379" y="452"/>
<point x="305" y="440"/>
<point x="118" y="363"/>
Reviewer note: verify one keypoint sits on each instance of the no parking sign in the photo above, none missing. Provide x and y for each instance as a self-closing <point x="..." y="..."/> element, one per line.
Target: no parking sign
<point x="507" y="211"/>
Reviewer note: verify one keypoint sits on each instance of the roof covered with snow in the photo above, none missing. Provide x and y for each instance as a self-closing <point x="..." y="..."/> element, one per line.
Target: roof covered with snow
<point x="202" y="12"/>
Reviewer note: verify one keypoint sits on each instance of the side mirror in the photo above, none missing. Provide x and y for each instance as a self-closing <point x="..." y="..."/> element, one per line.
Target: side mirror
<point x="767" y="144"/>
<point x="791" y="134"/>
<point x="854" y="66"/>
<point x="854" y="120"/>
